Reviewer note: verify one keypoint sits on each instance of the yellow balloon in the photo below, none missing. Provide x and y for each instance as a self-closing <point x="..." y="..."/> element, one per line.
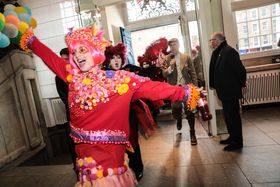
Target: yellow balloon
<point x="20" y="9"/>
<point x="33" y="23"/>
<point x="23" y="27"/>
<point x="2" y="17"/>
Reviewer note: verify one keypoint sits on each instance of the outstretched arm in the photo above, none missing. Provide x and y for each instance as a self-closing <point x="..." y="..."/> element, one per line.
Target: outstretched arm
<point x="51" y="59"/>
<point x="154" y="91"/>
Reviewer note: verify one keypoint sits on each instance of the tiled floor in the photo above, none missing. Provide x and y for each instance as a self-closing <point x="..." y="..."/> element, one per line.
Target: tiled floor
<point x="171" y="161"/>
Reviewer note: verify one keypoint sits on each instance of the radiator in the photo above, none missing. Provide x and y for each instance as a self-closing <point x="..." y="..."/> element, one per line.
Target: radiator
<point x="262" y="87"/>
<point x="59" y="111"/>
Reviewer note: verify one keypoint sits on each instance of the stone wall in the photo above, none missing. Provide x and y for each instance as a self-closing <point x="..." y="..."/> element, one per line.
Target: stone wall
<point x="21" y="118"/>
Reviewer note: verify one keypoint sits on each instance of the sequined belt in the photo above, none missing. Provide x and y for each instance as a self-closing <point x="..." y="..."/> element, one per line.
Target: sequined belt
<point x="89" y="170"/>
<point x="104" y="136"/>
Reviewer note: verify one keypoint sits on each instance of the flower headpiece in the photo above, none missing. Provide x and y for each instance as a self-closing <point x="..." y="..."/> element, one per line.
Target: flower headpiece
<point x="153" y="50"/>
<point x="89" y="37"/>
<point x="142" y="59"/>
<point x="119" y="49"/>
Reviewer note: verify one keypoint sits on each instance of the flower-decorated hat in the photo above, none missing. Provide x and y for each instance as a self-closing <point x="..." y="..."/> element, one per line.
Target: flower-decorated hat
<point x="153" y="50"/>
<point x="142" y="59"/>
<point x="89" y="37"/>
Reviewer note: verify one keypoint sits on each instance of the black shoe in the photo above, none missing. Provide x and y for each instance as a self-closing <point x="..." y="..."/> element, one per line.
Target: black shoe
<point x="225" y="142"/>
<point x="193" y="140"/>
<point x="139" y="175"/>
<point x="233" y="146"/>
<point x="179" y="124"/>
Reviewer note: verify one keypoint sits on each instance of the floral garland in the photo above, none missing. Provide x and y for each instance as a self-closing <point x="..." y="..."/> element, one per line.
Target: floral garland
<point x="96" y="86"/>
<point x="26" y="40"/>
<point x="89" y="170"/>
<point x="193" y="97"/>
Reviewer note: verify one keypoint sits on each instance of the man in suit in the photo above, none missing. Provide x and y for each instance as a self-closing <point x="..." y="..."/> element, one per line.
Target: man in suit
<point x="228" y="76"/>
<point x="180" y="71"/>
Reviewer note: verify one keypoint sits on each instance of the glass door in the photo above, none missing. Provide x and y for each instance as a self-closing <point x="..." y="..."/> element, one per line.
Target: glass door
<point x="191" y="32"/>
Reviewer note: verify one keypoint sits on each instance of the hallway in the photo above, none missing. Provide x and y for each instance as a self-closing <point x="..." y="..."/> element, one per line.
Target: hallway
<point x="170" y="160"/>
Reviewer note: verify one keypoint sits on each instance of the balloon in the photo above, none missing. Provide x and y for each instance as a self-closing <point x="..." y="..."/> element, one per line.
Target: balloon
<point x="4" y="41"/>
<point x="2" y="17"/>
<point x="25" y="18"/>
<point x="9" y="7"/>
<point x="23" y="27"/>
<point x="17" y="38"/>
<point x="13" y="20"/>
<point x="2" y="24"/>
<point x="28" y="10"/>
<point x="20" y="9"/>
<point x="10" y="12"/>
<point x="10" y="30"/>
<point x="33" y="23"/>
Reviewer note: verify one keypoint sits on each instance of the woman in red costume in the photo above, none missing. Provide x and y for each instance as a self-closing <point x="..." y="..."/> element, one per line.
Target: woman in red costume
<point x="99" y="103"/>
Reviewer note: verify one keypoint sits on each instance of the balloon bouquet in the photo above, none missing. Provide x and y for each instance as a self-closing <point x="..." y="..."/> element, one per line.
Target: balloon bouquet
<point x="14" y="21"/>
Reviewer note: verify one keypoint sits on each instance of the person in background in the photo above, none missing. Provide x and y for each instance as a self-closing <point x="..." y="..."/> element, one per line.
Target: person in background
<point x="198" y="66"/>
<point x="62" y="90"/>
<point x="227" y="76"/>
<point x="180" y="71"/>
<point x="115" y="57"/>
<point x="149" y="69"/>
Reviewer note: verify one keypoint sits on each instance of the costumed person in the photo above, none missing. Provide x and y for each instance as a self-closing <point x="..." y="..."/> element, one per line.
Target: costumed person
<point x="149" y="60"/>
<point x="62" y="90"/>
<point x="115" y="59"/>
<point x="180" y="71"/>
<point x="152" y="69"/>
<point x="99" y="103"/>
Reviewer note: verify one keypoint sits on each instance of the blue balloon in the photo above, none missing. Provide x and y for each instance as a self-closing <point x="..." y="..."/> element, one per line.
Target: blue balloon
<point x="25" y="18"/>
<point x="4" y="41"/>
<point x="28" y="10"/>
<point x="10" y="12"/>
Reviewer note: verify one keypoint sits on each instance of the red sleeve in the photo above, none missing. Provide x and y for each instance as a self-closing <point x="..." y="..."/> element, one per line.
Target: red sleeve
<point x="52" y="60"/>
<point x="154" y="91"/>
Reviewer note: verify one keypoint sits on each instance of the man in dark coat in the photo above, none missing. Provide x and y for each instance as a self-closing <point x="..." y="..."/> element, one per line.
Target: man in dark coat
<point x="228" y="76"/>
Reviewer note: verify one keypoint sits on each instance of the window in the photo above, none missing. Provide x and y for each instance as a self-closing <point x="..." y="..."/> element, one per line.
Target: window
<point x="256" y="41"/>
<point x="261" y="24"/>
<point x="146" y="9"/>
<point x="246" y="42"/>
<point x="194" y="35"/>
<point x="265" y="39"/>
<point x="275" y="10"/>
<point x="245" y="30"/>
<point x="252" y="14"/>
<point x="190" y="5"/>
<point x="69" y="15"/>
<point x="255" y="28"/>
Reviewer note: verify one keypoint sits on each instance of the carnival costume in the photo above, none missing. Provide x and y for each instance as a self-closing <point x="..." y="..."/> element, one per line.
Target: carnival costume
<point x="99" y="104"/>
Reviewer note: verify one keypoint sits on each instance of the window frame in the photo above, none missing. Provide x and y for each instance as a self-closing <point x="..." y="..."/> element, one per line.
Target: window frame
<point x="270" y="52"/>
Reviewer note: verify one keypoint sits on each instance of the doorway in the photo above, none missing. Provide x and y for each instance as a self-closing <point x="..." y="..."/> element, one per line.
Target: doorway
<point x="143" y="38"/>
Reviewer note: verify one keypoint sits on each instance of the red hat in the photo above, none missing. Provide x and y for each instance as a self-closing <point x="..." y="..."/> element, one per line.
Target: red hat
<point x="142" y="59"/>
<point x="119" y="49"/>
<point x="153" y="50"/>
